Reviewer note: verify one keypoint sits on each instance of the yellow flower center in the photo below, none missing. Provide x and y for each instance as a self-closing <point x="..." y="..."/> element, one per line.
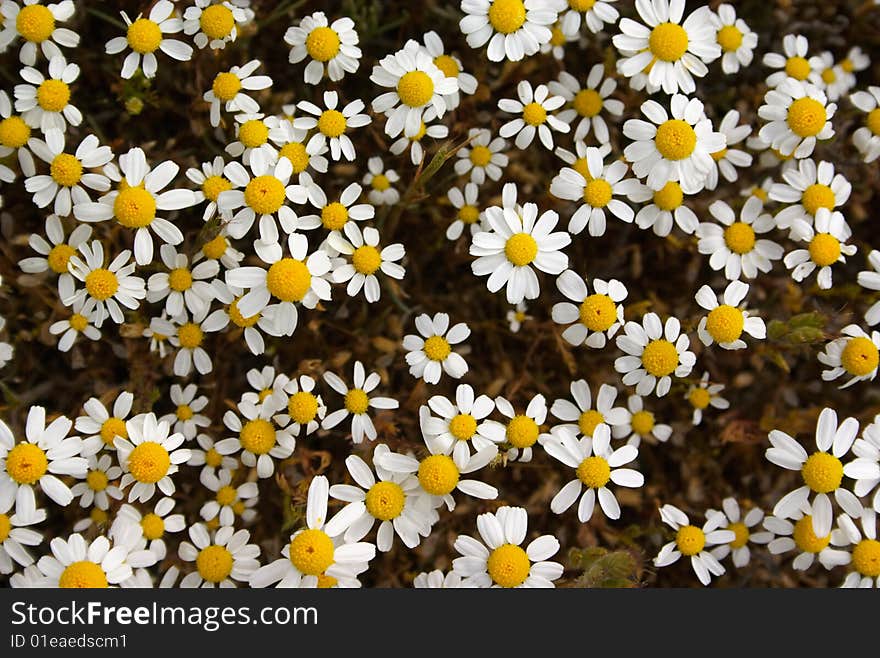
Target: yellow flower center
<point x="296" y="153"/>
<point x="699" y="398"/>
<point x="598" y="312"/>
<point x="860" y="356"/>
<point x="26" y="463"/>
<point x="588" y="420"/>
<point x="226" y="86"/>
<point x="101" y="284"/>
<point x="739" y="238"/>
<point x="690" y="540"/>
<point x="149" y="462"/>
<point x="469" y="214"/>
<point x="522" y="432"/>
<point x="866" y="558"/>
<point x="873" y="122"/>
<point x="729" y="38"/>
<point x="594" y="472"/>
<point x="180" y="279"/>
<point x="437" y="348"/>
<point x="385" y="500"/>
<point x="14" y="132"/>
<point x="226" y="495"/>
<point x="580" y="166"/>
<point x="480" y="156"/>
<point x="239" y="320"/>
<point x="534" y="114"/>
<point x="213" y="458"/>
<point x="325" y="581"/>
<point x="78" y="322"/>
<point x="53" y="95"/>
<point x="238" y="507"/>
<point x="805" y="539"/>
<point x="587" y="102"/>
<point x="824" y="249"/>
<point x="257" y="436"/>
<point x="719" y="155"/>
<point x="58" y="257"/>
<point x="289" y="280"/>
<point x="190" y="335"/>
<point x="822" y="472"/>
<point x="779" y="156"/>
<point x="725" y="323"/>
<point x="184" y="412"/>
<point x="152" y="526"/>
<point x="669" y="197"/>
<point x="98" y="516"/>
<point x="797" y="68"/>
<point x="380" y="182"/>
<point x="463" y="426"/>
<point x="264" y="194"/>
<point x="521" y="249"/>
<point x="741" y="533"/>
<point x="214" y="563"/>
<point x="366" y="259"/>
<point x="507" y="16"/>
<point x="660" y="358"/>
<point x="415" y="88"/>
<point x="817" y="196"/>
<point x="97" y="480"/>
<point x="581" y="5"/>
<point x="597" y="193"/>
<point x="828" y="76"/>
<point x="668" y="42"/>
<point x="302" y="407"/>
<point x="215" y="248"/>
<point x="438" y="475"/>
<point x="217" y="21"/>
<point x="675" y="139"/>
<point x="761" y="193"/>
<point x="35" y="23"/>
<point x="311" y="552"/>
<point x="322" y="44"/>
<point x="331" y="123"/>
<point x="357" y="401"/>
<point x="806" y="117"/>
<point x="83" y="574"/>
<point x="642" y="422"/>
<point x="5" y="527"/>
<point x="334" y="216"/>
<point x="508" y="565"/>
<point x="111" y="428"/>
<point x="448" y="65"/>
<point x="66" y="170"/>
<point x="144" y="36"/>
<point x="847" y="65"/>
<point x="134" y="207"/>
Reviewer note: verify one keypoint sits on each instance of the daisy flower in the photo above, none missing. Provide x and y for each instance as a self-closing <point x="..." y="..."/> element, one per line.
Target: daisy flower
<point x="677" y="149"/>
<point x="826" y="245"/>
<point x="513" y="28"/>
<point x="100" y="427"/>
<point x="305" y="409"/>
<point x="793" y="62"/>
<point x="99" y="485"/>
<point x="331" y="47"/>
<point x="414" y="143"/>
<point x="228" y="501"/>
<point x="535" y="107"/>
<point x="15" y="137"/>
<point x="149" y="456"/>
<point x="366" y="259"/>
<point x="726" y="322"/>
<point x="558" y="39"/>
<point x="741" y="526"/>
<point x="381" y="182"/>
<point x="863" y="550"/>
<point x="137" y="198"/>
<point x="855" y="60"/>
<point x="588" y="102"/>
<point x="214" y="25"/>
<point x="182" y="287"/>
<point x="459" y="423"/>
<point x="76" y="564"/>
<point x="222" y="560"/>
<point x="15" y="536"/>
<point x="596" y="191"/>
<point x="653" y="354"/>
<point x="867" y="137"/>
<point x="642" y="424"/>
<point x="261" y="436"/>
<point x="228" y="85"/>
<point x="855" y="354"/>
<point x="521" y="431"/>
<point x="332" y="124"/>
<point x="437" y="580"/>
<point x="253" y="327"/>
<point x="821" y="471"/>
<point x="439" y="474"/>
<point x="79" y="322"/>
<point x="36" y="24"/>
<point x="188" y="336"/>
<point x="147" y="35"/>
<point x="595" y="14"/>
<point x="430" y="354"/>
<point x="514" y="243"/>
<point x="675" y="50"/>
<point x="357" y="403"/>
<point x="291" y="145"/>
<point x="736" y="40"/>
<point x="870" y="279"/>
<point x="252" y="140"/>
<point x="484" y="157"/>
<point x="265" y="383"/>
<point x="808" y="188"/>
<point x="499" y="561"/>
<point x="595" y="465"/>
<point x="451" y="67"/>
<point x="209" y="457"/>
<point x="186" y="418"/>
<point x="55" y="252"/>
<point x="211" y="181"/>
<point x="665" y="208"/>
<point x="692" y="541"/>
<point x="703" y="395"/>
<point x="799" y="115"/>
<point x="733" y="245"/>
<point x="419" y="91"/>
<point x="830" y="77"/>
<point x="798" y="534"/>
<point x="318" y="555"/>
<point x="153" y="525"/>
<point x="581" y="419"/>
<point x="395" y="500"/>
<point x="44" y="103"/>
<point x="865" y="469"/>
<point x="295" y="279"/>
<point x="335" y="214"/>
<point x="760" y="191"/>
<point x="728" y="159"/>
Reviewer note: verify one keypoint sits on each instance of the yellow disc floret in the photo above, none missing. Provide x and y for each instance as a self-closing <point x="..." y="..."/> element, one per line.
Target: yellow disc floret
<point x="822" y="472"/>
<point x="385" y="500"/>
<point x="521" y="249"/>
<point x="597" y="193"/>
<point x="534" y="114"/>
<point x="214" y="563"/>
<point x="805" y="539"/>
<point x="331" y="123"/>
<point x="437" y="348"/>
<point x="824" y="249"/>
<point x="798" y="68"/>
<point x="26" y="463"/>
<point x="96" y="480"/>
<point x="725" y="323"/>
<point x="78" y="322"/>
<point x="668" y="42"/>
<point x="357" y="401"/>
<point x="101" y="284"/>
<point x="589" y="420"/>
<point x="380" y="182"/>
<point x="297" y="154"/>
<point x="594" y="472"/>
<point x="642" y="422"/>
<point x="83" y="574"/>
<point x="257" y="436"/>
<point x="522" y="432"/>
<point x="739" y="238"/>
<point x="860" y="356"/>
<point x="213" y="458"/>
<point x="289" y="280"/>
<point x="134" y="207"/>
<point x="184" y="412"/>
<point x="448" y="65"/>
<point x="660" y="358"/>
<point x="598" y="312"/>
<point x="226" y="495"/>
<point x="366" y="259"/>
<point x="264" y="194"/>
<point x="806" y="117"/>
<point x="463" y="426"/>
<point x="729" y="38"/>
<point x="149" y="462"/>
<point x="226" y="86"/>
<point x="211" y="188"/>
<point x="581" y="5"/>
<point x="153" y="526"/>
<point x="35" y="23"/>
<point x="828" y="76"/>
<point x="111" y="428"/>
<point x="238" y="319"/>
<point x="302" y="407"/>
<point x="480" y="156"/>
<point x="669" y="197"/>
<point x="818" y="196"/>
<point x="322" y="44"/>
<point x="587" y="102"/>
<point x="253" y="133"/>
<point x="59" y="256"/>
<point x="311" y="552"/>
<point x="690" y="540"/>
<point x="873" y="122"/>
<point x="866" y="558"/>
<point x="334" y="216"/>
<point x="415" y="88"/>
<point x="144" y="36"/>
<point x="66" y="170"/>
<point x="5" y="527"/>
<point x="217" y="21"/>
<point x="507" y="16"/>
<point x="699" y="398"/>
<point x="53" y="95"/>
<point x="190" y="335"/>
<point x="180" y="279"/>
<point x="508" y="566"/>
<point x="438" y="475"/>
<point x="675" y="139"/>
<point x="741" y="535"/>
<point x="469" y="214"/>
<point x="14" y="132"/>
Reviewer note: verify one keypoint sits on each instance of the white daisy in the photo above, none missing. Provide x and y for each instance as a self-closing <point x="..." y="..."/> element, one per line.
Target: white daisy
<point x="100" y="483"/>
<point x="726" y="322"/>
<point x="535" y="107"/>
<point x="97" y="564"/>
<point x="153" y="525"/>
<point x="516" y="317"/>
<point x="666" y="207"/>
<point x="335" y="214"/>
<point x="588" y="102"/>
<point x="867" y="137"/>
<point x="522" y="431"/>
<point x="513" y="28"/>
<point x="829" y="76"/>
<point x="211" y="183"/>
<point x="186" y="418"/>
<point x="653" y="354"/>
<point x="16" y="536"/>
<point x="261" y="436"/>
<point x="214" y="25"/>
<point x="458" y="423"/>
<point x="209" y="457"/>
<point x="826" y="245"/>
<point x="227" y="498"/>
<point x="381" y="183"/>
<point x="221" y="560"/>
<point x="149" y="456"/>
<point x="357" y="403"/>
<point x="332" y="124"/>
<point x="595" y="14"/>
<point x="863" y="550"/>
<point x="181" y="286"/>
<point x="484" y="157"/>
<point x="15" y="137"/>
<point x="291" y="143"/>
<point x="305" y="409"/>
<point x="793" y="62"/>
<point x="808" y="188"/>
<point x="414" y="143"/>
<point x="692" y="541"/>
<point x="703" y="395"/>
<point x="188" y="336"/>
<point x="253" y="327"/>
<point x="366" y="260"/>
<point x="431" y="354"/>
<point x="736" y="40"/>
<point x="80" y="322"/>
<point x="35" y="23"/>
<point x="870" y="279"/>
<point x="798" y="534"/>
<point x="55" y="252"/>
<point x="100" y="427"/>
<point x="855" y="354"/>
<point x="642" y="424"/>
<point x="728" y="159"/>
<point x="579" y="417"/>
<point x="332" y="47"/>
<point x="228" y="85"/>
<point x="451" y="67"/>
<point x="741" y="526"/>
<point x="799" y="115"/>
<point x="147" y="35"/>
<point x="865" y="469"/>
